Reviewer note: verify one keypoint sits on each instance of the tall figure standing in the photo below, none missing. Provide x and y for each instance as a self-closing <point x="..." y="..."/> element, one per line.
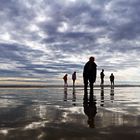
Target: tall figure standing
<point x="102" y="75"/>
<point x="89" y="74"/>
<point x="74" y="78"/>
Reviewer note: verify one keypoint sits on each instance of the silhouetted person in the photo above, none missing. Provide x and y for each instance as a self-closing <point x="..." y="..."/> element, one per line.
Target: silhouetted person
<point x="112" y="79"/>
<point x="89" y="74"/>
<point x="102" y="76"/>
<point x="102" y="96"/>
<point x="74" y="78"/>
<point x="65" y="80"/>
<point x="90" y="109"/>
<point x="112" y="94"/>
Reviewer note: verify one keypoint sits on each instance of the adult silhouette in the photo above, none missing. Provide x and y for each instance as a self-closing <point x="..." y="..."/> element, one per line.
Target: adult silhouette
<point x="89" y="74"/>
<point x="65" y="78"/>
<point x="90" y="109"/>
<point x="112" y="79"/>
<point x="74" y="78"/>
<point x="102" y="75"/>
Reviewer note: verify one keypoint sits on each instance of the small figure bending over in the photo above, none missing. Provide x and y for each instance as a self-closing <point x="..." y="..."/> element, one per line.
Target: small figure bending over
<point x="65" y="80"/>
<point x="89" y="74"/>
<point x="74" y="78"/>
<point x="112" y="79"/>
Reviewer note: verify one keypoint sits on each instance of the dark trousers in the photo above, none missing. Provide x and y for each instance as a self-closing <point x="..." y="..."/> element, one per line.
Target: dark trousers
<point x="86" y="85"/>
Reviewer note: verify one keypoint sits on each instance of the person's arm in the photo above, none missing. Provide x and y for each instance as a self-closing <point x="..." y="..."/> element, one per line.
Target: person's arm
<point x="85" y="70"/>
<point x="95" y="72"/>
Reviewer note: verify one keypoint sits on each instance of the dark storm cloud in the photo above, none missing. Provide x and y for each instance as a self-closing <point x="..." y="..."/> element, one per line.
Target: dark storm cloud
<point x="23" y="65"/>
<point x="14" y="58"/>
<point x="74" y="15"/>
<point x="18" y="53"/>
<point x="57" y="36"/>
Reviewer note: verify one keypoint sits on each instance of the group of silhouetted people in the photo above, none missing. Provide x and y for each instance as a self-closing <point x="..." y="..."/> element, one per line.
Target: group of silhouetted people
<point x="89" y="78"/>
<point x="102" y="75"/>
<point x="65" y="78"/>
<point x="89" y="75"/>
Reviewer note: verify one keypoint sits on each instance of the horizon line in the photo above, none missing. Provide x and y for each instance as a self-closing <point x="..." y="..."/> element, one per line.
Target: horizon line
<point x="59" y="86"/>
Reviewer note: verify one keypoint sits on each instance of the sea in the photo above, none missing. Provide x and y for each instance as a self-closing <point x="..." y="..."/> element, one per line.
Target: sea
<point x="54" y="112"/>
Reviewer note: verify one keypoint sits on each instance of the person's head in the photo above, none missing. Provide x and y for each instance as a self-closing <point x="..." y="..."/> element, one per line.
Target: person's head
<point x="91" y="59"/>
<point x="102" y="70"/>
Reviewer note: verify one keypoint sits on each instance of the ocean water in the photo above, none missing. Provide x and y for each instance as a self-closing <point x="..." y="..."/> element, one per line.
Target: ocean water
<point x="7" y="81"/>
<point x="61" y="114"/>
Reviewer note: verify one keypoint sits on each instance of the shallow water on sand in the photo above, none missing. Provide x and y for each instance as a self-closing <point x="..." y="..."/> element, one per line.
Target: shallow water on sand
<point x="59" y="114"/>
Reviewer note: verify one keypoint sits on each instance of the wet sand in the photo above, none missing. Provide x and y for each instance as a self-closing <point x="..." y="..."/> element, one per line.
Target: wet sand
<point x="58" y="113"/>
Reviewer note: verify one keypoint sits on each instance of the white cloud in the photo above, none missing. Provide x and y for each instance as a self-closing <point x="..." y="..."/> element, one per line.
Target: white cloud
<point x="54" y="37"/>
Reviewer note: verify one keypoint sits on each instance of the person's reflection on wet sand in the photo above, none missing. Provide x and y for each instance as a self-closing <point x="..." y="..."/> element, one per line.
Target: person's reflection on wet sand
<point x="112" y="94"/>
<point x="65" y="93"/>
<point x="90" y="109"/>
<point x="102" y="96"/>
<point x="74" y="96"/>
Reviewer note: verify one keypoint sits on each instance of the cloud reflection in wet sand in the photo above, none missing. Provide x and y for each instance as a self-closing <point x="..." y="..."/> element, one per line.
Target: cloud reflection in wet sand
<point x="39" y="114"/>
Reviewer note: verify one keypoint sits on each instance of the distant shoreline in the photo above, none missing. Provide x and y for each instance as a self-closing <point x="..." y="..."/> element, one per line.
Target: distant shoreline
<point x="60" y="86"/>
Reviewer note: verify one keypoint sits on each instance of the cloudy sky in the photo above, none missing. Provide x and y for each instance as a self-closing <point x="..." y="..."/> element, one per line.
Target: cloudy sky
<point x="48" y="38"/>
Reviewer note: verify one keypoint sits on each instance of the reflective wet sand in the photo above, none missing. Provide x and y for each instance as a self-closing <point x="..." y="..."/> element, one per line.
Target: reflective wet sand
<point x="62" y="114"/>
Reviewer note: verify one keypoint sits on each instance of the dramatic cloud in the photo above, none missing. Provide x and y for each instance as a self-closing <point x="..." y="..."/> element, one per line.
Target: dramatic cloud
<point x="48" y="38"/>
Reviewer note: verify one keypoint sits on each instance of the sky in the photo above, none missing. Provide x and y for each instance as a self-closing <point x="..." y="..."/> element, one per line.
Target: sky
<point x="45" y="39"/>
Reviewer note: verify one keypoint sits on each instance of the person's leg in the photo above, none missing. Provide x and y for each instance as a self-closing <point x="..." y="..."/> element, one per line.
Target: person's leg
<point x="74" y="82"/>
<point x="91" y="87"/>
<point x="85" y="84"/>
<point x="111" y="83"/>
<point x="102" y="81"/>
<point x="65" y="81"/>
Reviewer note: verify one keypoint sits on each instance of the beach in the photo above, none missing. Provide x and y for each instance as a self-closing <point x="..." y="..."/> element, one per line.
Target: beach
<point x="58" y="113"/>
